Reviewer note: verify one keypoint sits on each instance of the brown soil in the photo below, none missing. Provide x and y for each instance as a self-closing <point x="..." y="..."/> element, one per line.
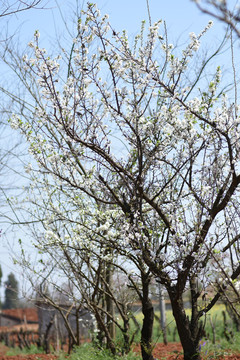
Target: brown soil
<point x="172" y="351"/>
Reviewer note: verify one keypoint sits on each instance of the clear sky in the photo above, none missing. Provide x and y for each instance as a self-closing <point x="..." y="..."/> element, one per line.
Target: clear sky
<point x="181" y="16"/>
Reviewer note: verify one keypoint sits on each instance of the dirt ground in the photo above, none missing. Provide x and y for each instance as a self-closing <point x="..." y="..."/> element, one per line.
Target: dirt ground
<point x="172" y="351"/>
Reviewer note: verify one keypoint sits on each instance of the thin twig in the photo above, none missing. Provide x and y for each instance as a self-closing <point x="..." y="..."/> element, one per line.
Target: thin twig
<point x="149" y="13"/>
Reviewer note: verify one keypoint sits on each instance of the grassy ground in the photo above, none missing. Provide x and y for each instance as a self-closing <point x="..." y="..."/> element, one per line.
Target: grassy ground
<point x="85" y="352"/>
<point x="89" y="352"/>
<point x="25" y="351"/>
<point x="214" y="317"/>
<point x="225" y="338"/>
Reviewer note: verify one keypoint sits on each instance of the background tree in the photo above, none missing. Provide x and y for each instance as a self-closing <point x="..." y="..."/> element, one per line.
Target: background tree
<point x="11" y="292"/>
<point x="224" y="11"/>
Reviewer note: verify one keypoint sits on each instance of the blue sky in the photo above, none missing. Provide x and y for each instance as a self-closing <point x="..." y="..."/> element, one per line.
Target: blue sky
<point x="181" y="16"/>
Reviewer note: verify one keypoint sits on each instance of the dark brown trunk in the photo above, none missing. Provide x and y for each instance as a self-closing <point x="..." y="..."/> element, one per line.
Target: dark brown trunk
<point x="146" y="333"/>
<point x="189" y="342"/>
<point x="148" y="318"/>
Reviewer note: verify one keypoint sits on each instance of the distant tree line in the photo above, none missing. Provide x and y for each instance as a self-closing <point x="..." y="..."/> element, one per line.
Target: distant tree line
<point x="11" y="299"/>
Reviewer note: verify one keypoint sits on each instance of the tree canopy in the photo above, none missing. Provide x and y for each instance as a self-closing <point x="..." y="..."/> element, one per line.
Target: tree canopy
<point x="137" y="157"/>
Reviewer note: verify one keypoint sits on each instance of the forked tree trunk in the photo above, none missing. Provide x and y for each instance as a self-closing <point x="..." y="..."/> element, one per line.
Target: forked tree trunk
<point x="189" y="337"/>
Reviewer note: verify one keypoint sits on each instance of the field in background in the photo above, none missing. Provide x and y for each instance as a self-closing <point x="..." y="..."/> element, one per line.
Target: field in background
<point x="221" y="341"/>
<point x="215" y="328"/>
<point x="220" y="331"/>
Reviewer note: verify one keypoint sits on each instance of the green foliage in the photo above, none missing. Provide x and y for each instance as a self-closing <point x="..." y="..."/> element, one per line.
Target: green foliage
<point x="215" y="317"/>
<point x="88" y="352"/>
<point x="221" y="349"/>
<point x="32" y="350"/>
<point x="11" y="293"/>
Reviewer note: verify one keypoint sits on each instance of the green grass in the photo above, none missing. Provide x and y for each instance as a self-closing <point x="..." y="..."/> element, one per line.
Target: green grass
<point x="88" y="352"/>
<point x="208" y="350"/>
<point x="215" y="316"/>
<point x="17" y="351"/>
<point x="220" y="349"/>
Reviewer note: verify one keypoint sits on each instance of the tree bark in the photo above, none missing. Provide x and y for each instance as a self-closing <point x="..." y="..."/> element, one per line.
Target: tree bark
<point x="148" y="318"/>
<point x="109" y="302"/>
<point x="189" y="339"/>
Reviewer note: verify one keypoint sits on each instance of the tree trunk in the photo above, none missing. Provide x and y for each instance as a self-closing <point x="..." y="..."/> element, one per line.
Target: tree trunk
<point x="103" y="331"/>
<point x="109" y="302"/>
<point x="162" y="309"/>
<point x="189" y="342"/>
<point x="126" y="336"/>
<point x="148" y="318"/>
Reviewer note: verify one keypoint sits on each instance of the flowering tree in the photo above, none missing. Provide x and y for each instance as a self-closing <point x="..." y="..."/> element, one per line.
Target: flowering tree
<point x="76" y="243"/>
<point x="228" y="14"/>
<point x="135" y="129"/>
